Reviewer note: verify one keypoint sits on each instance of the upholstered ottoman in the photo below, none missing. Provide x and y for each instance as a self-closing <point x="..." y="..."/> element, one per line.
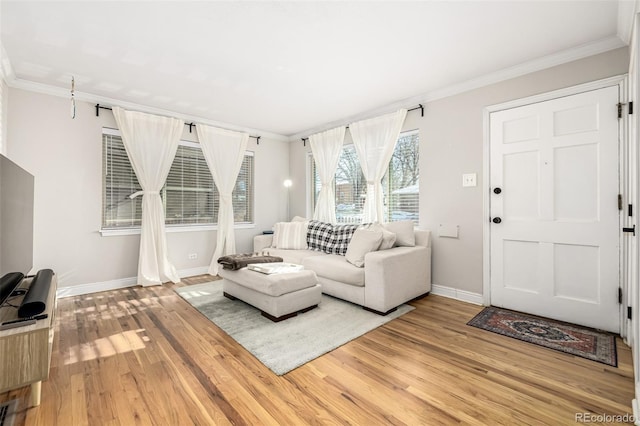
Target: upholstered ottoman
<point x="278" y="296"/>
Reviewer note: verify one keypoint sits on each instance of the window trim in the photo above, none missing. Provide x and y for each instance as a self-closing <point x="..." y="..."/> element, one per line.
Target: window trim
<point x="173" y="228"/>
<point x="114" y="232"/>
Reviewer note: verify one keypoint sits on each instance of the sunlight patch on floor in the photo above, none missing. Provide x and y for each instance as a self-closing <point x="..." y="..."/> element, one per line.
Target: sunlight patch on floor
<point x="119" y="343"/>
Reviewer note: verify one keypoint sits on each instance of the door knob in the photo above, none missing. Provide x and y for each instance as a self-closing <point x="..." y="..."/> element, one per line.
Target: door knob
<point x="497" y="190"/>
<point x="497" y="220"/>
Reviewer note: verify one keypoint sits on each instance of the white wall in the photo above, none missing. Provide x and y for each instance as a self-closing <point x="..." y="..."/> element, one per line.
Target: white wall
<point x="451" y="143"/>
<point x="65" y="157"/>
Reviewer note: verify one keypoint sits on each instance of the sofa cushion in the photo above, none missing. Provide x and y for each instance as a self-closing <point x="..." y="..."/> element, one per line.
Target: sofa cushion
<point x="290" y="235"/>
<point x="293" y="256"/>
<point x="320" y="236"/>
<point x="335" y="267"/>
<point x="405" y="235"/>
<point x="273" y="284"/>
<point x="365" y="240"/>
<point x="341" y="238"/>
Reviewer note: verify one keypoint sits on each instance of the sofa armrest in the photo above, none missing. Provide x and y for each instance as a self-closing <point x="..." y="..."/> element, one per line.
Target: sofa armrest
<point x="261" y="242"/>
<point x="423" y="237"/>
<point x="395" y="276"/>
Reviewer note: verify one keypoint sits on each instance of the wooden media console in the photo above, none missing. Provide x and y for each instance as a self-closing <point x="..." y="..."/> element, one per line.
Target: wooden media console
<point x="25" y="351"/>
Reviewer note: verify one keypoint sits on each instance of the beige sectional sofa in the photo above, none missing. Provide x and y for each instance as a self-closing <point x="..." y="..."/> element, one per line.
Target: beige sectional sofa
<point x="388" y="279"/>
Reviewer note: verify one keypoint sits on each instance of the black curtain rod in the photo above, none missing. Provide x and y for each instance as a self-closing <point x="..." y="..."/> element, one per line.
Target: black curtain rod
<point x="191" y="125"/>
<point x="420" y="107"/>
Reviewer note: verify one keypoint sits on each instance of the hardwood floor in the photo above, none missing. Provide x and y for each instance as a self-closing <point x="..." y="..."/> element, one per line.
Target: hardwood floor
<point x="145" y="356"/>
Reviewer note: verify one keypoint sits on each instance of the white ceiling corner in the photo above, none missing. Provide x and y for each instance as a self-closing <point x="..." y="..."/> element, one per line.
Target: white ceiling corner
<point x="626" y="12"/>
<point x="290" y="68"/>
<point x="574" y="54"/>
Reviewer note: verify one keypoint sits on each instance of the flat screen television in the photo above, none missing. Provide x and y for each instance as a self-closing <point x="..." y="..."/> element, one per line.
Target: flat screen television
<point x="16" y="225"/>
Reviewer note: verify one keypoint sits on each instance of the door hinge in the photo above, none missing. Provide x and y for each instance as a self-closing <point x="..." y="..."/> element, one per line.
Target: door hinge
<point x="620" y="295"/>
<point x="620" y="105"/>
<point x="629" y="312"/>
<point x="632" y="230"/>
<point x="619" y="201"/>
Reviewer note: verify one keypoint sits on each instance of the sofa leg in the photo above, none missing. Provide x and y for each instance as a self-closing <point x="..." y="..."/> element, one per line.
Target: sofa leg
<point x="287" y="316"/>
<point x="379" y="312"/>
<point x="420" y="297"/>
<point x="228" y="296"/>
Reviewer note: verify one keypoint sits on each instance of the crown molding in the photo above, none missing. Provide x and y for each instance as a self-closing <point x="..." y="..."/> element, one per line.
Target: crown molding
<point x="5" y="66"/>
<point x="570" y="55"/>
<point x="579" y="52"/>
<point x="46" y="89"/>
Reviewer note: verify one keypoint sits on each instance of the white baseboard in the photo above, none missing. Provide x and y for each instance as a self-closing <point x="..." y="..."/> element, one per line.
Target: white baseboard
<point x="191" y="272"/>
<point x="81" y="289"/>
<point x="454" y="293"/>
<point x="78" y="290"/>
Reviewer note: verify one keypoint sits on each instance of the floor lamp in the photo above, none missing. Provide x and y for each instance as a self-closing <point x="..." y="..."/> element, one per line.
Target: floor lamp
<point x="287" y="184"/>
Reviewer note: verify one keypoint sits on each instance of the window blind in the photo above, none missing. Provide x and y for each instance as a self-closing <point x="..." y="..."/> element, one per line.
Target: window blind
<point x="243" y="192"/>
<point x="189" y="191"/>
<point x="242" y="196"/>
<point x="401" y="183"/>
<point x="119" y="181"/>
<point x="189" y="195"/>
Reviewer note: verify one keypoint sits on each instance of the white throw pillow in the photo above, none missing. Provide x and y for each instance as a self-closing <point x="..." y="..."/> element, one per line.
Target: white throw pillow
<point x="299" y="219"/>
<point x="290" y="235"/>
<point x="363" y="241"/>
<point x="274" y="237"/>
<point x="405" y="235"/>
<point x="388" y="237"/>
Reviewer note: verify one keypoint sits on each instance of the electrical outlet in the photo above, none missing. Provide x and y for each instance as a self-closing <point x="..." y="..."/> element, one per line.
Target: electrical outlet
<point x="193" y="256"/>
<point x="469" y="179"/>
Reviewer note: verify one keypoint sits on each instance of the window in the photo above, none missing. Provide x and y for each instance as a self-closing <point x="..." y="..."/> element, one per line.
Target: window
<point x="400" y="183"/>
<point x="189" y="195"/>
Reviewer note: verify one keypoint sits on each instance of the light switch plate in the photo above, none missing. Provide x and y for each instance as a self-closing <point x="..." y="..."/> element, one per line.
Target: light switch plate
<point x="469" y="179"/>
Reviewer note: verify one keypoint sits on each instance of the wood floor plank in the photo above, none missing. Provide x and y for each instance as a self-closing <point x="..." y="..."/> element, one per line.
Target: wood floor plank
<point x="144" y="356"/>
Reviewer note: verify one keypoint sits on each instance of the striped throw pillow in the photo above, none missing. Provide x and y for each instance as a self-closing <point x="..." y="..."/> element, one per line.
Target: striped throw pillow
<point x="290" y="235"/>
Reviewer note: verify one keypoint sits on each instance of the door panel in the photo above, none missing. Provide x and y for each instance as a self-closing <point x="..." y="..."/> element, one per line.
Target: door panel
<point x="521" y="265"/>
<point x="576" y="272"/>
<point x="522" y="171"/>
<point x="576" y="174"/>
<point x="575" y="120"/>
<point x="555" y="251"/>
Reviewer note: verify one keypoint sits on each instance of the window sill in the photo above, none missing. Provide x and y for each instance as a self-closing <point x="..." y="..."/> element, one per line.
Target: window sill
<point x="172" y="229"/>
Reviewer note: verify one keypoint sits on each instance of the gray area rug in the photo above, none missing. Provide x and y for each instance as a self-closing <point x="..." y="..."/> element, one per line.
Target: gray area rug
<point x="288" y="344"/>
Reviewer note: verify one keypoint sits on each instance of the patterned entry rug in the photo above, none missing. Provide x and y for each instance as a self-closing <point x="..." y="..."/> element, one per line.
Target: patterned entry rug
<point x="283" y="346"/>
<point x="573" y="339"/>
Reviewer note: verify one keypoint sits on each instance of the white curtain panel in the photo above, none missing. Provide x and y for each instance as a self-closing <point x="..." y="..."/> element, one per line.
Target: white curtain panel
<point x="224" y="151"/>
<point x="151" y="142"/>
<point x="375" y="139"/>
<point x="326" y="148"/>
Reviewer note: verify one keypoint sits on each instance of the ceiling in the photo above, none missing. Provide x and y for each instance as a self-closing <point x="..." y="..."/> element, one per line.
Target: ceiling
<point x="286" y="67"/>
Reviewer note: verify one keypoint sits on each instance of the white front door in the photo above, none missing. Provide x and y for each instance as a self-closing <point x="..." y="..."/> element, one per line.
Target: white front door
<point x="554" y="209"/>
